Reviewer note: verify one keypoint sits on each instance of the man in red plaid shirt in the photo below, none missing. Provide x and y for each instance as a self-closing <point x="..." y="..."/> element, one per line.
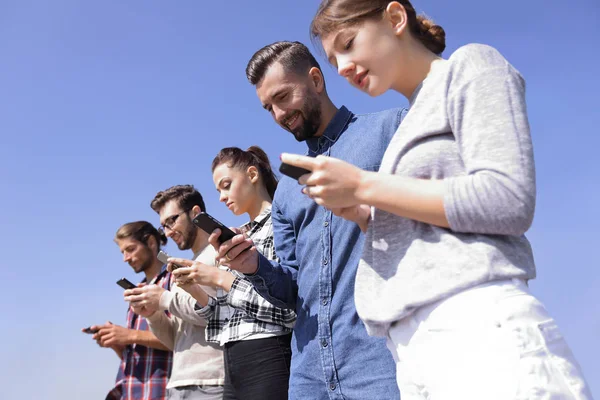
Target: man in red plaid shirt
<point x="145" y="361"/>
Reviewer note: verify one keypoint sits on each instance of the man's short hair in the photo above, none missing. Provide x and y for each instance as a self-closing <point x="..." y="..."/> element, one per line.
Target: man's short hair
<point x="294" y="56"/>
<point x="186" y="197"/>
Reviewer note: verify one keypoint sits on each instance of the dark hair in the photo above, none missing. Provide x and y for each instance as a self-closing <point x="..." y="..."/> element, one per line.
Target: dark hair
<point x="293" y="56"/>
<point x="253" y="157"/>
<point x="335" y="14"/>
<point x="141" y="231"/>
<point x="186" y="196"/>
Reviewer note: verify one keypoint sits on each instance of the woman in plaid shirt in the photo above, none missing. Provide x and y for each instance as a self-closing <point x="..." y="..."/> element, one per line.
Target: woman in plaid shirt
<point x="255" y="334"/>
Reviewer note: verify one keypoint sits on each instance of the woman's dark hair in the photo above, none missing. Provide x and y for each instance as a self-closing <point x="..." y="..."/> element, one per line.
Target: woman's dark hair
<point x="335" y="14"/>
<point x="141" y="231"/>
<point x="235" y="157"/>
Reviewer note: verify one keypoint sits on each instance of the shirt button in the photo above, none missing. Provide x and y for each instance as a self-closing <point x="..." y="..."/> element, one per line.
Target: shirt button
<point x="325" y="262"/>
<point x="324" y="343"/>
<point x="324" y="301"/>
<point x="326" y="224"/>
<point x="332" y="386"/>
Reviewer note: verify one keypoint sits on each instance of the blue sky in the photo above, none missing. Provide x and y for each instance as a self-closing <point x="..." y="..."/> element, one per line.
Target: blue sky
<point x="104" y="103"/>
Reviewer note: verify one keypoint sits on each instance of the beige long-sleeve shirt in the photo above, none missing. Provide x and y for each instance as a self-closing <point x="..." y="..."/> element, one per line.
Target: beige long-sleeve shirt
<point x="195" y="361"/>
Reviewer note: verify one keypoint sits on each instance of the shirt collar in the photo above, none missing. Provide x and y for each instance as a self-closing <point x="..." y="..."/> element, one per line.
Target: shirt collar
<point x="162" y="272"/>
<point x="258" y="220"/>
<point x="334" y="129"/>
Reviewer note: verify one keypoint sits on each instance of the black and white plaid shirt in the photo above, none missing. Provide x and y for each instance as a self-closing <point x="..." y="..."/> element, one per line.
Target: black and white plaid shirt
<point x="243" y="313"/>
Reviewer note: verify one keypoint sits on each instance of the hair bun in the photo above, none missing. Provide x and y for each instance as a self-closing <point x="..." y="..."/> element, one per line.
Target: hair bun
<point x="432" y="35"/>
<point x="259" y="153"/>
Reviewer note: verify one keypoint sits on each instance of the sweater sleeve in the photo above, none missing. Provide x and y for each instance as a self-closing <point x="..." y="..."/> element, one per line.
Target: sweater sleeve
<point x="164" y="328"/>
<point x="182" y="305"/>
<point x="488" y="117"/>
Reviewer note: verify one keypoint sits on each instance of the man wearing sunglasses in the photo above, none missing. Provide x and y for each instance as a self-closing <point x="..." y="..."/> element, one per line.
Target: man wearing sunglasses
<point x="198" y="366"/>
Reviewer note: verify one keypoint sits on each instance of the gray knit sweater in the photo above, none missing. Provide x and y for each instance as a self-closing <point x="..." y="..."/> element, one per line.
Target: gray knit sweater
<point x="467" y="125"/>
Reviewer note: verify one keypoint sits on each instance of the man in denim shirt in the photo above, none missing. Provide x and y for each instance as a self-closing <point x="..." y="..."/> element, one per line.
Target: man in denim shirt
<point x="333" y="357"/>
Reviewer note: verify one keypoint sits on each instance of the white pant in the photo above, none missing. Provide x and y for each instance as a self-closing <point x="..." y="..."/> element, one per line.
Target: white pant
<point x="494" y="341"/>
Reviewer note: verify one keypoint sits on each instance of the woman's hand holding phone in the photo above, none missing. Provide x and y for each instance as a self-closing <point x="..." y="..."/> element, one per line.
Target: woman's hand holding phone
<point x="332" y="183"/>
<point x="238" y="253"/>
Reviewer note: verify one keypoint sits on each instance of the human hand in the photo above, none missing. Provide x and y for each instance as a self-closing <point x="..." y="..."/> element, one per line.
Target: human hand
<point x="193" y="272"/>
<point x="144" y="300"/>
<point x="113" y="336"/>
<point x="359" y="214"/>
<point x="238" y="253"/>
<point x="332" y="183"/>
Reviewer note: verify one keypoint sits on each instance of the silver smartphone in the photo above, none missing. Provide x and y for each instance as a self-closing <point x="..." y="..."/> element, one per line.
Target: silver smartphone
<point x="164" y="258"/>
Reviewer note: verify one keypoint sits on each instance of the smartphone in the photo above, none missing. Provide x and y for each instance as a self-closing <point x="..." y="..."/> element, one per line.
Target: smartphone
<point x="293" y="171"/>
<point x="164" y="258"/>
<point x="125" y="284"/>
<point x="90" y="330"/>
<point x="208" y="224"/>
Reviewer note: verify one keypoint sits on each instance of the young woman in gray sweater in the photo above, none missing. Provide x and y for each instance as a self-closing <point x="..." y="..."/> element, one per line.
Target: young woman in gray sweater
<point x="445" y="267"/>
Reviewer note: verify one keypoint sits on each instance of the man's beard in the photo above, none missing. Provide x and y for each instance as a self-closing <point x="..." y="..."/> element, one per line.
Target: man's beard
<point x="188" y="237"/>
<point x="147" y="262"/>
<point x="311" y="115"/>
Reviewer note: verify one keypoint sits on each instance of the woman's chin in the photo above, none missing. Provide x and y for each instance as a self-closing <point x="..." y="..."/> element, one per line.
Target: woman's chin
<point x="375" y="91"/>
<point x="236" y="211"/>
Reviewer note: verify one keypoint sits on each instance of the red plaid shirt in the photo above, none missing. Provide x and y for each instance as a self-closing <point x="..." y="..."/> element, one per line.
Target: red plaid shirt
<point x="144" y="371"/>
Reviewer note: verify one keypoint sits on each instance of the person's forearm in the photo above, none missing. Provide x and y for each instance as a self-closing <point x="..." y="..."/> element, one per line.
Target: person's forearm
<point x="223" y="279"/>
<point x="417" y="199"/>
<point x="118" y="351"/>
<point x="148" y="339"/>
<point x="197" y="293"/>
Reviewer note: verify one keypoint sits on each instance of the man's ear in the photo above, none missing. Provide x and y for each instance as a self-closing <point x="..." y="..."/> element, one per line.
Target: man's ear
<point x="196" y="210"/>
<point x="152" y="244"/>
<point x="316" y="78"/>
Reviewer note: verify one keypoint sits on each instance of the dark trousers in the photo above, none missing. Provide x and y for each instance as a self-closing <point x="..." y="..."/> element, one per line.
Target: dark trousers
<point x="257" y="369"/>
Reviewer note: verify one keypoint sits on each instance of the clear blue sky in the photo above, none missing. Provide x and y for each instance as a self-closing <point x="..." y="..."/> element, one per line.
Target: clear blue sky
<point x="104" y="103"/>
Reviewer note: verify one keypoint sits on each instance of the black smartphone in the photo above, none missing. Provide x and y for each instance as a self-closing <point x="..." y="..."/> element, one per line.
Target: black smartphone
<point x="125" y="284"/>
<point x="164" y="257"/>
<point x="90" y="331"/>
<point x="208" y="224"/>
<point x="293" y="171"/>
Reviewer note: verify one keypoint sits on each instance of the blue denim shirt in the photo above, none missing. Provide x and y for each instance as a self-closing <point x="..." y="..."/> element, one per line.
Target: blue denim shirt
<point x="332" y="355"/>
